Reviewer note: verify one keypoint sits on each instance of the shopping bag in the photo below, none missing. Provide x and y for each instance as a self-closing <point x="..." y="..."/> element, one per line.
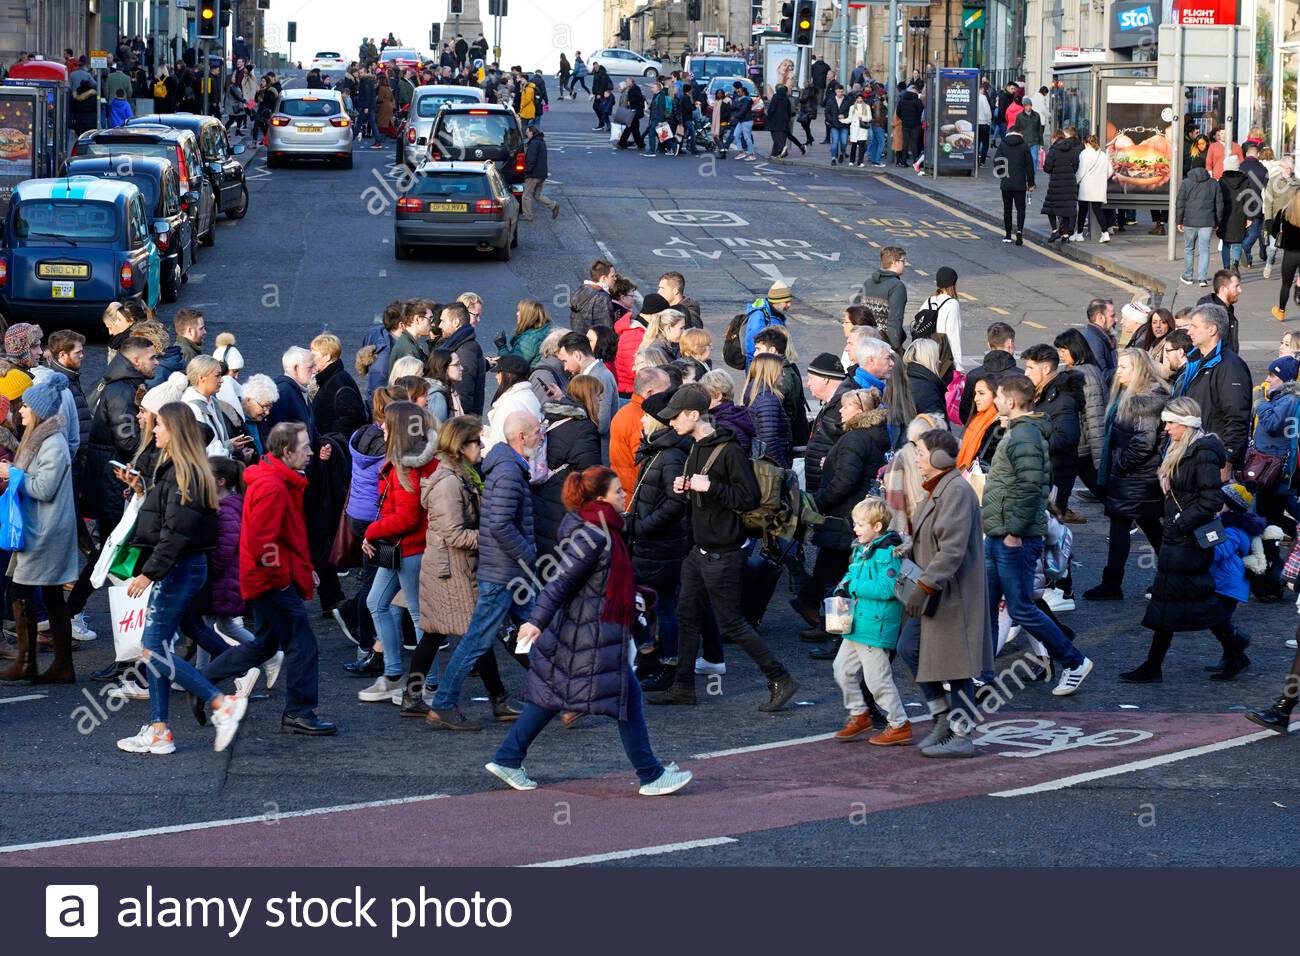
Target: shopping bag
<point x="128" y="616"/>
<point x="12" y="537"/>
<point x="115" y="558"/>
<point x="663" y="132"/>
<point x="616" y="132"/>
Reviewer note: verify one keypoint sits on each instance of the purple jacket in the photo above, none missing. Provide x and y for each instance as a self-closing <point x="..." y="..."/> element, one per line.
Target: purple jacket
<point x="223" y="563"/>
<point x="367" y="444"/>
<point x="738" y="419"/>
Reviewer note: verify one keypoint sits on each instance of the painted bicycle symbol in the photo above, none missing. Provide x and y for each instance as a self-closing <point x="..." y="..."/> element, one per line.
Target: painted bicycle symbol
<point x="1035" y="738"/>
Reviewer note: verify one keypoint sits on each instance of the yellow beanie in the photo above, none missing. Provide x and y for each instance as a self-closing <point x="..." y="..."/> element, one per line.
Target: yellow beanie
<point x="14" y="383"/>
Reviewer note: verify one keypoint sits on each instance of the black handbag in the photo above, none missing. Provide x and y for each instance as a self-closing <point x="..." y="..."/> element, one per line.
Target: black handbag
<point x="388" y="554"/>
<point x="908" y="580"/>
<point x="1207" y="535"/>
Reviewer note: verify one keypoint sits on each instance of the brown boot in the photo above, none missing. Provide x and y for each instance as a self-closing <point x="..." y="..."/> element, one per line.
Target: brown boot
<point x="893" y="736"/>
<point x="857" y="725"/>
<point x="60" y="670"/>
<point x="23" y="666"/>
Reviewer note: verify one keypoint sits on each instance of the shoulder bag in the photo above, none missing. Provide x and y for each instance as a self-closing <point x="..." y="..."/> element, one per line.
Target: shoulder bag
<point x="1207" y="535"/>
<point x="908" y="580"/>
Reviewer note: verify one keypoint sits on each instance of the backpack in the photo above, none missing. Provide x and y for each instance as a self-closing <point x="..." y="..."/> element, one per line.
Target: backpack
<point x="779" y="499"/>
<point x="926" y="322"/>
<point x="733" y="341"/>
<point x="159" y="90"/>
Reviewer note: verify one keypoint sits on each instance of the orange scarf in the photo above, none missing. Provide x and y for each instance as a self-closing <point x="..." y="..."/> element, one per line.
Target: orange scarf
<point x="976" y="428"/>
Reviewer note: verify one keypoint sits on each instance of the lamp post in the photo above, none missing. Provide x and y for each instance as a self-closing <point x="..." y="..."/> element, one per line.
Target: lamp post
<point x="960" y="42"/>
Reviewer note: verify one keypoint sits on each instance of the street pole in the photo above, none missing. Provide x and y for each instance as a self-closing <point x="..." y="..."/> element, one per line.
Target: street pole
<point x="203" y="73"/>
<point x="1176" y="147"/>
<point x="844" y="43"/>
<point x="891" y="87"/>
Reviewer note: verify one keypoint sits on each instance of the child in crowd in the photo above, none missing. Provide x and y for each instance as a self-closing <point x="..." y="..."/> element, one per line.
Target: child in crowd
<point x="1241" y="550"/>
<point x="877" y="618"/>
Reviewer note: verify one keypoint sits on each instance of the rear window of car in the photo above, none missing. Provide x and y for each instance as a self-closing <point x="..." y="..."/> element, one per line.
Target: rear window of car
<point x="309" y="106"/>
<point x="329" y="56"/>
<point x="726" y="84"/>
<point x="136" y="147"/>
<point x="707" y="69"/>
<point x="147" y="185"/>
<point x="427" y="106"/>
<point x="399" y="55"/>
<point x="462" y="130"/>
<point x="38" y="219"/>
<point x="455" y="185"/>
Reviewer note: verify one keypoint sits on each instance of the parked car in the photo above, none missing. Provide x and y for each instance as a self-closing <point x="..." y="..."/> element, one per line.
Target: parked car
<point x="620" y="62"/>
<point x="160" y="188"/>
<point x="71" y="246"/>
<point x="328" y="61"/>
<point x="413" y="132"/>
<point x="225" y="172"/>
<point x="180" y="147"/>
<point x="456" y="204"/>
<point x="728" y="83"/>
<point x="401" y="57"/>
<point x="488" y="131"/>
<point x="310" y="124"/>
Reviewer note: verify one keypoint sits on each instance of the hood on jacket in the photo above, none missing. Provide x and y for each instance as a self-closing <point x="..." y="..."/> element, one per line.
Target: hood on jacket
<point x="662" y="440"/>
<point x="998" y="361"/>
<point x="721" y="433"/>
<point x="890" y="539"/>
<point x="500" y="454"/>
<point x="1014" y="142"/>
<point x="738" y="421"/>
<point x="1197" y="174"/>
<point x="1067" y="380"/>
<point x="559" y="411"/>
<point x="418" y="459"/>
<point x="1286" y="389"/>
<point x="1249" y="523"/>
<point x="367" y="442"/>
<point x="885" y="277"/>
<point x="1147" y="405"/>
<point x="120" y="370"/>
<point x="877" y="416"/>
<point x="1036" y="420"/>
<point x="1209" y="447"/>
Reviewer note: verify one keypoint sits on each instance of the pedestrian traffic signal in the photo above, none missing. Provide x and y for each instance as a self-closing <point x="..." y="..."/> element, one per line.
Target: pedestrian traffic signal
<point x="455" y="8"/>
<point x="435" y="35"/>
<point x="805" y="23"/>
<point x="787" y="20"/>
<point x="497" y="8"/>
<point x="693" y="10"/>
<point x="292" y="34"/>
<point x="209" y="19"/>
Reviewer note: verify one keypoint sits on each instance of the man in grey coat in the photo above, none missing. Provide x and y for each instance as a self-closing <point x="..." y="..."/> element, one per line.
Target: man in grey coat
<point x="1199" y="209"/>
<point x="885" y="295"/>
<point x="575" y="352"/>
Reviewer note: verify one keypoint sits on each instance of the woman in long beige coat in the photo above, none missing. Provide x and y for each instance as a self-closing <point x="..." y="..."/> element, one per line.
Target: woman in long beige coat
<point x="449" y="570"/>
<point x="955" y="640"/>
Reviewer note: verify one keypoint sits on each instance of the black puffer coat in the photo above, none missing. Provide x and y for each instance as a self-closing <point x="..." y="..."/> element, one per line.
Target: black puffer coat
<point x="83" y="410"/>
<point x="572" y="444"/>
<point x="167" y="530"/>
<point x="114" y="436"/>
<point x="1182" y="595"/>
<point x="851" y="467"/>
<point x="1061" y="402"/>
<point x="1132" y="458"/>
<point x="337" y="407"/>
<point x="661" y="533"/>
<point x="1060" y="165"/>
<point x="927" y="390"/>
<point x="826" y="430"/>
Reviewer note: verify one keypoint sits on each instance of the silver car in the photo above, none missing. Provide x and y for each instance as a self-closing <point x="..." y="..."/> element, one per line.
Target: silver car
<point x="310" y="124"/>
<point x="413" y="136"/>
<point x="620" y="62"/>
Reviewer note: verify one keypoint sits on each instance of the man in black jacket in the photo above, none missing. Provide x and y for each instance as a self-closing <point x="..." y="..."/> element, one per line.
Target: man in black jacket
<point x="1227" y="290"/>
<point x="1059" y="396"/>
<point x="458" y="336"/>
<point x="909" y="111"/>
<point x="636" y="103"/>
<point x="1219" y="381"/>
<point x="114" y="430"/>
<point x="826" y="381"/>
<point x="1000" y="360"/>
<point x="718" y="485"/>
<point x="536" y="169"/>
<point x="591" y="304"/>
<point x="65" y="350"/>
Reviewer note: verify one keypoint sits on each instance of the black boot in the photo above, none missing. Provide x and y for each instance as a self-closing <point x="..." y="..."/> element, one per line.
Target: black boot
<point x="1107" y="590"/>
<point x="413" y="704"/>
<point x="1277" y="717"/>
<point x="1234" y="662"/>
<point x="1148" y="672"/>
<point x="661" y="680"/>
<point x="371" y="665"/>
<point x="780" y="692"/>
<point x="23" y="666"/>
<point x="61" y="670"/>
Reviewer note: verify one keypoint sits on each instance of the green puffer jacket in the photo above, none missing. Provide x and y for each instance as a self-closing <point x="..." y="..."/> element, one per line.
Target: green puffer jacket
<point x="1019" y="481"/>
<point x="877" y="615"/>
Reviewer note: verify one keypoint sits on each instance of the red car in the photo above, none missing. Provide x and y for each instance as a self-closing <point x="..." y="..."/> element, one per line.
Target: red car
<point x="727" y="83"/>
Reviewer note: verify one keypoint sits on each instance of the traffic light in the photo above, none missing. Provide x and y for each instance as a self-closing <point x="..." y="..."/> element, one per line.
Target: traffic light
<point x="787" y="19"/>
<point x="455" y="8"/>
<point x="693" y="10"/>
<point x="291" y="34"/>
<point x="497" y="8"/>
<point x="805" y="23"/>
<point x="208" y="13"/>
<point x="625" y="29"/>
<point x="435" y="36"/>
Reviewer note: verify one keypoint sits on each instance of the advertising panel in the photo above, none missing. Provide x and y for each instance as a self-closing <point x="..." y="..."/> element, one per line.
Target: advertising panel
<point x="779" y="59"/>
<point x="1138" y="119"/>
<point x="958" y="116"/>
<point x="18" y="118"/>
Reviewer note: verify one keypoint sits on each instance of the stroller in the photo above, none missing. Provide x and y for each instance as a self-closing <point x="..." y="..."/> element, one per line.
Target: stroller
<point x="701" y="135"/>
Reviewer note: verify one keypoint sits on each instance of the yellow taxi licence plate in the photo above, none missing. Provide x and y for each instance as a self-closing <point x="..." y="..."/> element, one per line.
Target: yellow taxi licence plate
<point x="448" y="207"/>
<point x="63" y="270"/>
<point x="63" y="290"/>
<point x="310" y="129"/>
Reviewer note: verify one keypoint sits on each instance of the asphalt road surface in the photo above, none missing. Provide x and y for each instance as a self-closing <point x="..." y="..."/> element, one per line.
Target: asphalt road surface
<point x="1116" y="775"/>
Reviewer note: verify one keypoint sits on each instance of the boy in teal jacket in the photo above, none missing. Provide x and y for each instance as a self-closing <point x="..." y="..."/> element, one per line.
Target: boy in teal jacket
<point x="877" y="618"/>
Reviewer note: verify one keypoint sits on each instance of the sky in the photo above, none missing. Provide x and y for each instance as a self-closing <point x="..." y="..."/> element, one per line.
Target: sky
<point x="533" y="33"/>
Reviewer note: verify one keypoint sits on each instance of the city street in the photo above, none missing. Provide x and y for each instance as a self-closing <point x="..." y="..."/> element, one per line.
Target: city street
<point x="1118" y="775"/>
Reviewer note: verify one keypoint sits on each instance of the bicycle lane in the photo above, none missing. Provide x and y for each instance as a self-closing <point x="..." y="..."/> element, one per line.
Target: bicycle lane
<point x="734" y="792"/>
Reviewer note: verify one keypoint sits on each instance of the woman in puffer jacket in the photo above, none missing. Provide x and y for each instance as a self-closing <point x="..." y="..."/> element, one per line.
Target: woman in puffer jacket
<point x="763" y="399"/>
<point x="660" y="532"/>
<point x="928" y="390"/>
<point x="1131" y="463"/>
<point x="572" y="444"/>
<point x="367" y="447"/>
<point x="410" y="444"/>
<point x="580" y="631"/>
<point x="722" y="407"/>
<point x="1075" y="353"/>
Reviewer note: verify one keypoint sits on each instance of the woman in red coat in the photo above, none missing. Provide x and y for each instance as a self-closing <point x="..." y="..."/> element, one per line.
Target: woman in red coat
<point x="410" y="446"/>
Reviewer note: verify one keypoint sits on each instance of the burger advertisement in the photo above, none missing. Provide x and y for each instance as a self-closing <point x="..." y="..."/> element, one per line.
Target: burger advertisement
<point x="1138" y="143"/>
<point x="958" y="115"/>
<point x="17" y="121"/>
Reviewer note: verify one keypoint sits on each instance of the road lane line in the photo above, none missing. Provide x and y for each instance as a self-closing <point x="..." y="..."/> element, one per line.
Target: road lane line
<point x="967" y="296"/>
<point x="217" y="824"/>
<point x="1062" y="783"/>
<point x="921" y="272"/>
<point x="1034" y="325"/>
<point x="19" y="700"/>
<point x="994" y="308"/>
<point x="872" y="244"/>
<point x="629" y="854"/>
<point x="605" y="249"/>
<point x="860" y="235"/>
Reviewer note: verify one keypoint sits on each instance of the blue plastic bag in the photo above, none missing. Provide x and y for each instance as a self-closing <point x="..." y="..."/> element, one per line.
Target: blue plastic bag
<point x="12" y="537"/>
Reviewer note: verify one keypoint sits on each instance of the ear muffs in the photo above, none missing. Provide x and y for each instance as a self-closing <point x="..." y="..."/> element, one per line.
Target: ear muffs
<point x="941" y="459"/>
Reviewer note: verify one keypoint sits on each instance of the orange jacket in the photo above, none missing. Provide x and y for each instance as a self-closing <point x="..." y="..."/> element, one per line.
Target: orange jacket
<point x="624" y="440"/>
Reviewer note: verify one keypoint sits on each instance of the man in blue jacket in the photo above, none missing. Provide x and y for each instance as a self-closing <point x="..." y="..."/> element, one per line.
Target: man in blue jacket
<point x="506" y="580"/>
<point x="765" y="313"/>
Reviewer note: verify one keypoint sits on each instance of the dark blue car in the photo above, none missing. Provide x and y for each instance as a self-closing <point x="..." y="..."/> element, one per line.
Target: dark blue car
<point x="71" y="246"/>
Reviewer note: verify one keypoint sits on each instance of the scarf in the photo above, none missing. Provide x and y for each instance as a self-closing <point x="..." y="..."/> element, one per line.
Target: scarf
<point x="930" y="484"/>
<point x="976" y="429"/>
<point x="866" y="380"/>
<point x="620" y="587"/>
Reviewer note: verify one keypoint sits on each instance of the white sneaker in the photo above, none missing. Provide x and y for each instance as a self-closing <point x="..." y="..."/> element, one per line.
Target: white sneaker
<point x="1077" y="237"/>
<point x="1291" y="644"/>
<point x="273" y="669"/>
<point x="148" y="741"/>
<point x="244" y="685"/>
<point x="1057" y="600"/>
<point x="707" y="667"/>
<point x="1268" y="269"/>
<point x="381" y="689"/>
<point x="1071" y="678"/>
<point x="670" y="781"/>
<point x="80" y="631"/>
<point x="128" y="690"/>
<point x="515" y="777"/>
<point x="226" y="720"/>
<point x="1105" y="237"/>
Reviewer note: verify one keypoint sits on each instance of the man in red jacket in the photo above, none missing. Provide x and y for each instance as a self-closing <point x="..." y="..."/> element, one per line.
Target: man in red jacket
<point x="275" y="577"/>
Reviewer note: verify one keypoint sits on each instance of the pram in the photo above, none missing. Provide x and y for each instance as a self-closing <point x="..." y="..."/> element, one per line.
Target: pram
<point x="701" y="133"/>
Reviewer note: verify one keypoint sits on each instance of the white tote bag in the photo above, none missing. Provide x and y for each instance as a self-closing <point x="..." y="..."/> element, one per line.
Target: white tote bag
<point x="129" y="617"/>
<point x="99" y="576"/>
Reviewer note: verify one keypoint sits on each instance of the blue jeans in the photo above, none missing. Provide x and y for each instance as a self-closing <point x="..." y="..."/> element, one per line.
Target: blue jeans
<point x="169" y="602"/>
<point x="839" y="141"/>
<point x="875" y="145"/>
<point x="495" y="601"/>
<point x="632" y="732"/>
<point x="1231" y="254"/>
<point x="1256" y="234"/>
<point x="1010" y="573"/>
<point x="668" y="626"/>
<point x="1033" y="156"/>
<point x="1196" y="239"/>
<point x="960" y="694"/>
<point x="387" y="616"/>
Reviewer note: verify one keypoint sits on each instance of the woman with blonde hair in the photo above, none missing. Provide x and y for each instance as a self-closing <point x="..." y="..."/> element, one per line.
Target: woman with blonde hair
<point x="1285" y="229"/>
<point x="1183" y="594"/>
<point x="762" y="396"/>
<point x="664" y="329"/>
<point x="922" y="366"/>
<point x="532" y="325"/>
<point x="407" y="365"/>
<point x="904" y="489"/>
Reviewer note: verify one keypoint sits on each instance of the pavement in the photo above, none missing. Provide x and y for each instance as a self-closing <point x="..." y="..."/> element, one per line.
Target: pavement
<point x="1116" y="775"/>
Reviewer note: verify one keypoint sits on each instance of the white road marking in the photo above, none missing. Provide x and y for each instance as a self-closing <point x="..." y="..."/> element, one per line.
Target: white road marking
<point x="383" y="273"/>
<point x="19" y="700"/>
<point x="772" y="272"/>
<point x="217" y="824"/>
<point x="1062" y="783"/>
<point x="196" y="278"/>
<point x="642" y="851"/>
<point x="756" y="748"/>
<point x="605" y="249"/>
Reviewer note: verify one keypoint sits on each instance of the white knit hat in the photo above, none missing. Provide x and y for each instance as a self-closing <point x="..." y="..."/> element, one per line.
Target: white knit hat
<point x="169" y="391"/>
<point x="226" y="352"/>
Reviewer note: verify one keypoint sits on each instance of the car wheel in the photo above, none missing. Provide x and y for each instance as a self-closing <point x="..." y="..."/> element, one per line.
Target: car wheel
<point x="238" y="212"/>
<point x="346" y="163"/>
<point x="401" y="151"/>
<point x="651" y="73"/>
<point x="401" y="251"/>
<point x="502" y="252"/>
<point x="210" y="237"/>
<point x="514" y="237"/>
<point x="171" y="287"/>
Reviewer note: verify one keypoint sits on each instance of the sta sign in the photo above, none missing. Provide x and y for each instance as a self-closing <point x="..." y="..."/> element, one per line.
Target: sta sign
<point x="1134" y="23"/>
<point x="1135" y="19"/>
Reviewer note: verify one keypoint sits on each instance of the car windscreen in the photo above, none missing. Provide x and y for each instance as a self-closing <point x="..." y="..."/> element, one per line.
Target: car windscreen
<point x="147" y="185"/>
<point x="309" y="106"/>
<point x="454" y="185"/>
<point x="398" y="55"/>
<point x="136" y="147"/>
<point x="39" y="220"/>
<point x="466" y="130"/>
<point x="427" y="106"/>
<point x="707" y="69"/>
<point x="725" y="84"/>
